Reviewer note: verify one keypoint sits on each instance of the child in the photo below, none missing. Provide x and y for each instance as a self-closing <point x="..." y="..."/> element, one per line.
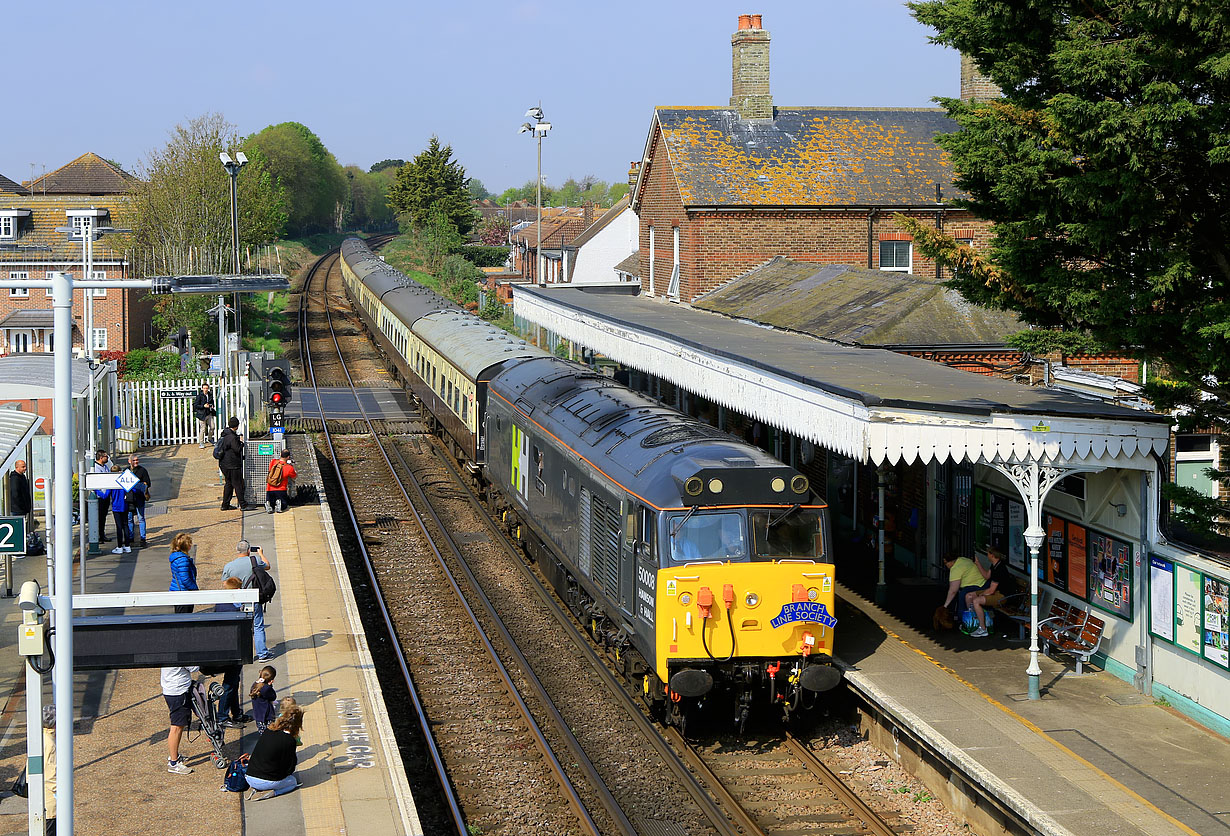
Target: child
<point x="263" y="698"/>
<point x="289" y="706"/>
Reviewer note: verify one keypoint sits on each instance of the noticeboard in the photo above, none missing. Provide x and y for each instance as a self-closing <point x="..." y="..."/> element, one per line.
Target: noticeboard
<point x="1187" y="621"/>
<point x="1110" y="574"/>
<point x="1190" y="609"/>
<point x="1161" y="598"/>
<point x="1216" y="634"/>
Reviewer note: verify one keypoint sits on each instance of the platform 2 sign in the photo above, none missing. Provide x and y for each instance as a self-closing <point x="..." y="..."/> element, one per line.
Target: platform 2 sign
<point x="12" y="535"/>
<point x="813" y="611"/>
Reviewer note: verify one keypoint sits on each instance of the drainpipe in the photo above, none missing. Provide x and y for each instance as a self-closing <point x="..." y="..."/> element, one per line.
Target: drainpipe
<point x="871" y="217"/>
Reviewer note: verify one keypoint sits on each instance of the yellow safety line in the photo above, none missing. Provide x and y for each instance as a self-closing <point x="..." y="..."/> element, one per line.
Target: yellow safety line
<point x="1035" y="729"/>
<point x="321" y="801"/>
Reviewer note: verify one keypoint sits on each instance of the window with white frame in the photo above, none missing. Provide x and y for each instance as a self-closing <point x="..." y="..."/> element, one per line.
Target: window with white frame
<point x="1194" y="454"/>
<point x="895" y="256"/>
<point x="8" y="225"/>
<point x="651" y="249"/>
<point x="672" y="289"/>
<point x="79" y="223"/>
<point x="99" y="292"/>
<point x="100" y="339"/>
<point x="19" y="292"/>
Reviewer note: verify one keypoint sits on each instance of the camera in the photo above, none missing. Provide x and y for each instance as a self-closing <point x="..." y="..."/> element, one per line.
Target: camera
<point x="254" y="549"/>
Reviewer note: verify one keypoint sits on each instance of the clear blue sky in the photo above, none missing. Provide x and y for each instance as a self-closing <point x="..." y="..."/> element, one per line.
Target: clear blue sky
<point x="376" y="78"/>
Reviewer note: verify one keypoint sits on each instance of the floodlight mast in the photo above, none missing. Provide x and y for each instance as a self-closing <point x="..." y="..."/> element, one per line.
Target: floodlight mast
<point x="539" y="128"/>
<point x="232" y="168"/>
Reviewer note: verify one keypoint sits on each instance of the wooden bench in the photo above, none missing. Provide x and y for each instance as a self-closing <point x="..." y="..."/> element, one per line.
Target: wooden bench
<point x="1015" y="608"/>
<point x="1080" y="641"/>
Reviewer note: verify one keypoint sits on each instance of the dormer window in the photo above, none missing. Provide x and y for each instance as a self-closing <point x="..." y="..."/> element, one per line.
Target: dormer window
<point x="78" y="218"/>
<point x="8" y="229"/>
<point x="10" y="220"/>
<point x="79" y="226"/>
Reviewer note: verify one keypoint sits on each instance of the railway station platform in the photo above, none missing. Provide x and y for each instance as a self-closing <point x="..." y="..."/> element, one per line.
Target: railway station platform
<point x="1092" y="756"/>
<point x="349" y="765"/>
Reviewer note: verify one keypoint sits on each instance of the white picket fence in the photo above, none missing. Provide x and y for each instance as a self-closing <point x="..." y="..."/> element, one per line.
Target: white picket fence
<point x="163" y="408"/>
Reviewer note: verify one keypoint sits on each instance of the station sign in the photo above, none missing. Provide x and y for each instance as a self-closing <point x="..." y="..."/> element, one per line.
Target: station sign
<point x="12" y="535"/>
<point x="170" y="394"/>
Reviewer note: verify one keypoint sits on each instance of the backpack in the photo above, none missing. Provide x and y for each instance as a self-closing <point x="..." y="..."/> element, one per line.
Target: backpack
<point x="275" y="475"/>
<point x="218" y="447"/>
<point x="236" y="777"/>
<point x="262" y="580"/>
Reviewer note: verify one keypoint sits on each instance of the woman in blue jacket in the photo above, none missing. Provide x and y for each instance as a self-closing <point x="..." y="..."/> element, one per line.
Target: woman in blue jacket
<point x="183" y="568"/>
<point x="119" y="510"/>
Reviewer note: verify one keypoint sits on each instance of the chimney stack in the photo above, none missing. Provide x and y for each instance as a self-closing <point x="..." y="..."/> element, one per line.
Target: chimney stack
<point x="976" y="87"/>
<point x="634" y="171"/>
<point x="749" y="88"/>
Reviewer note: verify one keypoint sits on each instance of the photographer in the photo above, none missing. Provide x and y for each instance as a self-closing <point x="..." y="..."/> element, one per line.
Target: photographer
<point x="241" y="567"/>
<point x="281" y="471"/>
<point x="205" y="412"/>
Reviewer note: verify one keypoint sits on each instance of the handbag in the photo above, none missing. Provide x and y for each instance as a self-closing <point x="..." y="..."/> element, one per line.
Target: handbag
<point x="20" y="787"/>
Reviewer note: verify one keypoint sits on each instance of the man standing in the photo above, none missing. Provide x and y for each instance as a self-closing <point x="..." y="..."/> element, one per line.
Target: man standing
<point x="281" y="471"/>
<point x="231" y="465"/>
<point x="138" y="495"/>
<point x="20" y="501"/>
<point x="204" y="410"/>
<point x="102" y="464"/>
<point x="176" y="686"/>
<point x="242" y="568"/>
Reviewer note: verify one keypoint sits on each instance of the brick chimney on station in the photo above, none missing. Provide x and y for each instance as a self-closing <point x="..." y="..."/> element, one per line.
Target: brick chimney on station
<point x="976" y="87"/>
<point x="749" y="85"/>
<point x="634" y="171"/>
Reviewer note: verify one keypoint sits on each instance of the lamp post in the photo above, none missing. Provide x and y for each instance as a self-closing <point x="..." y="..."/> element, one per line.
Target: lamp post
<point x="539" y="129"/>
<point x="232" y="167"/>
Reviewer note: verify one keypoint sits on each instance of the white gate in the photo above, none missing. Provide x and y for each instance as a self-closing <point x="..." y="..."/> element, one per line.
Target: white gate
<point x="163" y="408"/>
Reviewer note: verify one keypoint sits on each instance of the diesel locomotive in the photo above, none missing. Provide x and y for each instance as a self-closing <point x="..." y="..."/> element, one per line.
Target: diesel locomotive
<point x="700" y="563"/>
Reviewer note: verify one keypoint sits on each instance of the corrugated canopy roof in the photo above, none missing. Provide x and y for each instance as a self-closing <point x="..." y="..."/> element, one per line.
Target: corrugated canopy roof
<point x="16" y="427"/>
<point x="858" y="306"/>
<point x="808" y="156"/>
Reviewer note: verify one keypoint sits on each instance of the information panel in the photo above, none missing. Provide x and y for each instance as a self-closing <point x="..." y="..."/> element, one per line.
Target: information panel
<point x="1016" y="535"/>
<point x="1216" y="595"/>
<point x="1161" y="598"/>
<point x="1110" y="574"/>
<point x="1187" y="609"/>
<point x="1077" y="560"/>
<point x="1055" y="552"/>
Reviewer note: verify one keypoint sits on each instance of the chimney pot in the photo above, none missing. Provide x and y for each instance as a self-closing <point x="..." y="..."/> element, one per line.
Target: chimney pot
<point x="745" y="21"/>
<point x="749" y="93"/>
<point x="756" y="22"/>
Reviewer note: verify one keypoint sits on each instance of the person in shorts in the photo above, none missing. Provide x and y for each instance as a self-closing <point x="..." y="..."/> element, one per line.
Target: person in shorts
<point x="176" y="687"/>
<point x="1000" y="584"/>
<point x="964" y="576"/>
<point x="281" y="471"/>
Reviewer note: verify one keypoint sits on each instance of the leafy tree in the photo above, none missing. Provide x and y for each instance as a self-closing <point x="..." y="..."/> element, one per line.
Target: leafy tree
<point x="367" y="205"/>
<point x="494" y="231"/>
<point x="1106" y="169"/>
<point x="616" y="193"/>
<point x="313" y="180"/>
<point x="569" y="194"/>
<point x="433" y="181"/>
<point x="386" y="164"/>
<point x="477" y="190"/>
<point x="180" y="215"/>
<point x="436" y="239"/>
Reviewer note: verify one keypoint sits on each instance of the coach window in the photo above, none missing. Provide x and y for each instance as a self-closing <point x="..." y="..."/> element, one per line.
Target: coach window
<point x="538" y="465"/>
<point x="644" y="528"/>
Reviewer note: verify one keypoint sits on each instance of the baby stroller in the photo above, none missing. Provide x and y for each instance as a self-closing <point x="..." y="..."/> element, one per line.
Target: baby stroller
<point x="205" y="697"/>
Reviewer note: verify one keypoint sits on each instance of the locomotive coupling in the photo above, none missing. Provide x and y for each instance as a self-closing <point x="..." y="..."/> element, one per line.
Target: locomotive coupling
<point x="691" y="682"/>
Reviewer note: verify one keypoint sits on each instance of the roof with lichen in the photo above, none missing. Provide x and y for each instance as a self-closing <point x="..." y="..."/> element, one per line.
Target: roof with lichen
<point x="857" y="306"/>
<point x="808" y="156"/>
<point x="89" y="174"/>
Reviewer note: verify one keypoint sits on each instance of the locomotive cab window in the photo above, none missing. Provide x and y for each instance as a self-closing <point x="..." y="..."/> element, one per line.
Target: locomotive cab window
<point x="788" y="533"/>
<point x="699" y="536"/>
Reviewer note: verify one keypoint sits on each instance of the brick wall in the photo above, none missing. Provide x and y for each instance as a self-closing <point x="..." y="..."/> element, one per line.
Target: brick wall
<point x="124" y="313"/>
<point x="974" y="85"/>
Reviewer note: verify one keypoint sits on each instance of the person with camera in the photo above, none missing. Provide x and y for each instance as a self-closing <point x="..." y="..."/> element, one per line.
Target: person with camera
<point x="243" y="567"/>
<point x="205" y="412"/>
<point x="281" y="471"/>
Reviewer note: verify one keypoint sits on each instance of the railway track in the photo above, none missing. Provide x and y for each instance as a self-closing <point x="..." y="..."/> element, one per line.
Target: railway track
<point x="493" y="762"/>
<point x="776" y="788"/>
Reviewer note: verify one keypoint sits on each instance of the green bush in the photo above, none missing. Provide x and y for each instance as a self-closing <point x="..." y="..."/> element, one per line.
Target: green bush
<point x="485" y="256"/>
<point x="146" y="364"/>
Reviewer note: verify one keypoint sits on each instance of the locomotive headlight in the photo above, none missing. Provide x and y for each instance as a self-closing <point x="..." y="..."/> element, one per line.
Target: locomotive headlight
<point x="799" y="483"/>
<point x="693" y="486"/>
<point x="778" y="484"/>
<point x="751" y="599"/>
<point x="685" y="598"/>
<point x="715" y="485"/>
<point x="813" y="594"/>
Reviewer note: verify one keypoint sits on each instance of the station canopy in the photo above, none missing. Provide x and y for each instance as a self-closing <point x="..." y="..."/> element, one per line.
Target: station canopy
<point x="870" y="404"/>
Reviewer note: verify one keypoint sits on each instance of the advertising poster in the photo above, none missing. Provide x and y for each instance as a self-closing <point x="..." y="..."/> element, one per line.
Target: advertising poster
<point x="1216" y="634"/>
<point x="1110" y="574"/>
<point x="1077" y="570"/>
<point x="1161" y="598"/>
<point x="999" y="523"/>
<point x="1053" y="552"/>
<point x="1016" y="535"/>
<point x="1187" y="609"/>
<point x="982" y="518"/>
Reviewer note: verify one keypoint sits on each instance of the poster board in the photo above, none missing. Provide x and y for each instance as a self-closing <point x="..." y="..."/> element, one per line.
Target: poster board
<point x="1110" y="574"/>
<point x="1017" y="552"/>
<point x="1187" y="616"/>
<point x="1077" y="560"/>
<point x="1216" y="633"/>
<point x="1161" y="598"/>
<point x="1054" y="551"/>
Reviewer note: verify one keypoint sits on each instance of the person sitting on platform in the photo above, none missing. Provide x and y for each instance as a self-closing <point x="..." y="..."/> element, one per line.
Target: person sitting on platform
<point x="964" y="576"/>
<point x="271" y="768"/>
<point x="1000" y="585"/>
<point x="281" y="471"/>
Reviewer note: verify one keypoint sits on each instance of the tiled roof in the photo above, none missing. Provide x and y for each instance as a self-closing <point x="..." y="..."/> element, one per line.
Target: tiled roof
<point x="89" y="174"/>
<point x="808" y="156"/>
<point x="28" y="318"/>
<point x="598" y="225"/>
<point x="555" y="231"/>
<point x="854" y="305"/>
<point x="8" y="186"/>
<point x="630" y="265"/>
<point x="47" y="213"/>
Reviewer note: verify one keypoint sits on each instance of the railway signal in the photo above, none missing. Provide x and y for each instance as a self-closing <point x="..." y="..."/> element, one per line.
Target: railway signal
<point x="278" y="387"/>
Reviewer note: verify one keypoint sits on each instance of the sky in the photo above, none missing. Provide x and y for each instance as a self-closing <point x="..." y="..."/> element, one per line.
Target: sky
<point x="375" y="79"/>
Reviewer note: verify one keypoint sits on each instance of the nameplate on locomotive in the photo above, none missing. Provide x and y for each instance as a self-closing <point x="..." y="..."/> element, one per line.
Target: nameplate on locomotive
<point x="804" y="611"/>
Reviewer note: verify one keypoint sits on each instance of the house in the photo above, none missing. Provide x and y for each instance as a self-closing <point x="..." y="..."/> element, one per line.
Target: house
<point x="604" y="244"/>
<point x="559" y="228"/>
<point x="723" y="189"/>
<point x="41" y="231"/>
